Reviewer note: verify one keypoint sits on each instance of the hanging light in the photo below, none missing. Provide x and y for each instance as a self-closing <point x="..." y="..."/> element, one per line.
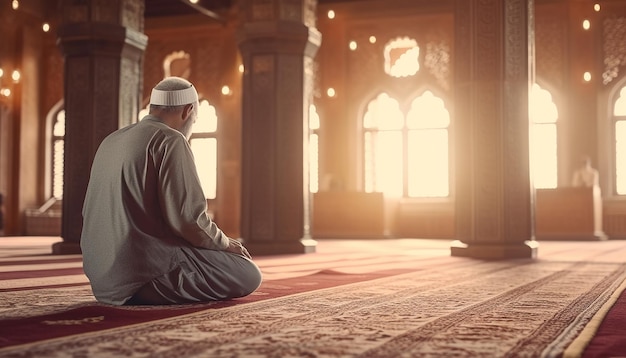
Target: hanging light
<point x="6" y="84"/>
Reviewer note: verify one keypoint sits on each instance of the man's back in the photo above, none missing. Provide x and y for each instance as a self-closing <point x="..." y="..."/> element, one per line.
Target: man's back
<point x="127" y="236"/>
<point x="146" y="236"/>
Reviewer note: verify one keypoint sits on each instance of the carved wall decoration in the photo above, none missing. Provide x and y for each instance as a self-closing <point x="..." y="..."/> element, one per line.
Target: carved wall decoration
<point x="177" y="63"/>
<point x="106" y="82"/>
<point x="515" y="37"/>
<point x="310" y="13"/>
<point x="290" y="10"/>
<point x="129" y="104"/>
<point x="515" y="119"/>
<point x="614" y="48"/>
<point x="106" y="11"/>
<point x="132" y="14"/>
<point x="487" y="68"/>
<point x="75" y="11"/>
<point x="366" y="72"/>
<point x="437" y="61"/>
<point x="262" y="69"/>
<point x="201" y="64"/>
<point x="549" y="49"/>
<point x="289" y="134"/>
<point x="53" y="75"/>
<point x="262" y="127"/>
<point x="488" y="34"/>
<point x="262" y="10"/>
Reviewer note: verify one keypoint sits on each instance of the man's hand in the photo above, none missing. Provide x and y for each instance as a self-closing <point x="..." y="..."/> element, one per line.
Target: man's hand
<point x="236" y="247"/>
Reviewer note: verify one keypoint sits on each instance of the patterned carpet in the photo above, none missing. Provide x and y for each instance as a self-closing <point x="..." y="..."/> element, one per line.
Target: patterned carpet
<point x="391" y="298"/>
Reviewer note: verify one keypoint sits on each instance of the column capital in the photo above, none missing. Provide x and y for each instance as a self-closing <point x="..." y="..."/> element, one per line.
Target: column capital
<point x="279" y="37"/>
<point x="89" y="38"/>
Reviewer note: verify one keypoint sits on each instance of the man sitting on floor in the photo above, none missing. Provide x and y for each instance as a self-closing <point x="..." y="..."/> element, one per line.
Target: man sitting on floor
<point x="146" y="236"/>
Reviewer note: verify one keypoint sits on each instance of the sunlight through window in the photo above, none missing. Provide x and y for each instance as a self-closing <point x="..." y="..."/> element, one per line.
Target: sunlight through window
<point x="543" y="138"/>
<point x="424" y="139"/>
<point x="203" y="144"/>
<point x="620" y="156"/>
<point x="58" y="143"/>
<point x="314" y="126"/>
<point x="402" y="57"/>
<point x="144" y="112"/>
<point x="428" y="171"/>
<point x="619" y="117"/>
<point x="383" y="146"/>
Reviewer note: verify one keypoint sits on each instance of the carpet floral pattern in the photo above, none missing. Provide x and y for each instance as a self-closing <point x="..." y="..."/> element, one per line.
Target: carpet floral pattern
<point x="518" y="308"/>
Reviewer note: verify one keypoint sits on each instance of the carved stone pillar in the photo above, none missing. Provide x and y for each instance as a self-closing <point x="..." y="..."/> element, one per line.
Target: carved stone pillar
<point x="278" y="42"/>
<point x="103" y="44"/>
<point x="494" y="67"/>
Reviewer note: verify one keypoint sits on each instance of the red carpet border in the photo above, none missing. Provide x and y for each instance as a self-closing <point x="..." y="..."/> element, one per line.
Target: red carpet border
<point x="407" y="299"/>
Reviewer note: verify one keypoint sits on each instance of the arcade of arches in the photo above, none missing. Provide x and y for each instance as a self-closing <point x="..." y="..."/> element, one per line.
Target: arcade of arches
<point x="451" y="119"/>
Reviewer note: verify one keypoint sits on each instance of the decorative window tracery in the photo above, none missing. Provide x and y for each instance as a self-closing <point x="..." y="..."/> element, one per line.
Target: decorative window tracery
<point x="543" y="115"/>
<point x="402" y="57"/>
<point x="407" y="156"/>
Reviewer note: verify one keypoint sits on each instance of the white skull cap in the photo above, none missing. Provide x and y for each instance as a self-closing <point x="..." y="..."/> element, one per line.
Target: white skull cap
<point x="174" y="98"/>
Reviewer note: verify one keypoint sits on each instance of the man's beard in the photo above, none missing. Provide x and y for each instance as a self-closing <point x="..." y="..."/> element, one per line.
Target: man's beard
<point x="188" y="126"/>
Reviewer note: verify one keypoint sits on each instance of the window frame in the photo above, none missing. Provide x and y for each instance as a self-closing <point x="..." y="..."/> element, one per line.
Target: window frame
<point x="613" y="120"/>
<point x="404" y="132"/>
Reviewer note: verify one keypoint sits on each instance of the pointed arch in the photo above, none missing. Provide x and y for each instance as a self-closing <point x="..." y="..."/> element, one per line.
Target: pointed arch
<point x="617" y="112"/>
<point x="544" y="116"/>
<point x="407" y="155"/>
<point x="54" y="151"/>
<point x="204" y="145"/>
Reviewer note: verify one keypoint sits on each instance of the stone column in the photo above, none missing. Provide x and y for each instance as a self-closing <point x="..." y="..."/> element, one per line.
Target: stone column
<point x="494" y="68"/>
<point x="103" y="45"/>
<point x="278" y="41"/>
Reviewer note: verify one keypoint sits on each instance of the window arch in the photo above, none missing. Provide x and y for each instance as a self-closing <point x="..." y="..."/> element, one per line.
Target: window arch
<point x="543" y="115"/>
<point x="314" y="126"/>
<point x="407" y="155"/>
<point x="619" y="125"/>
<point x="383" y="152"/>
<point x="54" y="151"/>
<point x="428" y="154"/>
<point x="58" y="147"/>
<point x="402" y="57"/>
<point x="203" y="142"/>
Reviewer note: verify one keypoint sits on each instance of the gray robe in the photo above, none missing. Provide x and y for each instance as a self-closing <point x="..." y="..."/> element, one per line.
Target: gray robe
<point x="144" y="218"/>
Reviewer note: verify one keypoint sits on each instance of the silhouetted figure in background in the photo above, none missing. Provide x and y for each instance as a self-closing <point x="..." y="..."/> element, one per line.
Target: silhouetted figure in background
<point x="585" y="176"/>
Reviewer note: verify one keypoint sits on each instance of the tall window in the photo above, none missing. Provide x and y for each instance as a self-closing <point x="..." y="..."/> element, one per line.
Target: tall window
<point x="406" y="156"/>
<point x="203" y="144"/>
<point x="543" y="138"/>
<point x="428" y="158"/>
<point x="383" y="124"/>
<point x="619" y="120"/>
<point x="58" y="142"/>
<point x="314" y="126"/>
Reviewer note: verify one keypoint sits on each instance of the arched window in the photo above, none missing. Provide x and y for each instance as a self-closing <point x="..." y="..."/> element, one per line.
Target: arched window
<point x="203" y="144"/>
<point x="383" y="125"/>
<point x="58" y="143"/>
<point x="619" y="120"/>
<point x="402" y="57"/>
<point x="314" y="126"/>
<point x="543" y="138"/>
<point x="428" y="157"/>
<point x="407" y="156"/>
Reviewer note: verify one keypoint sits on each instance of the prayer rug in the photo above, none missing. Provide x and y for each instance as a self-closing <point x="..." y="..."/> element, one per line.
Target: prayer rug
<point x="415" y="302"/>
